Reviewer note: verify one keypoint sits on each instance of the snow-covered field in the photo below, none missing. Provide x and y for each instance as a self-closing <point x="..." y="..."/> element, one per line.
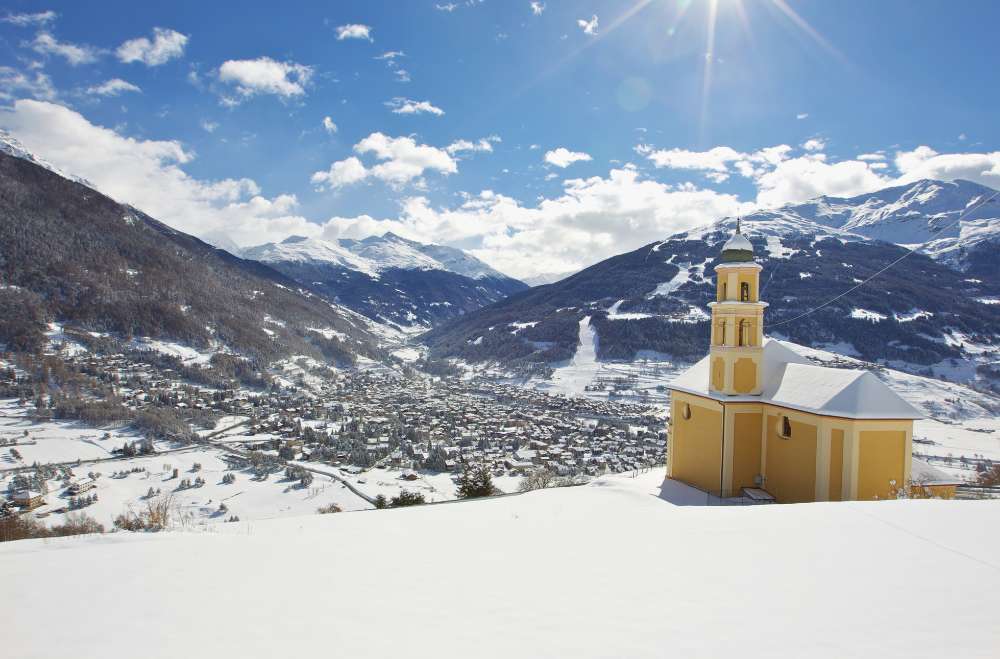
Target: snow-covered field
<point x="247" y="498"/>
<point x="54" y="441"/>
<point x="435" y="486"/>
<point x="607" y="570"/>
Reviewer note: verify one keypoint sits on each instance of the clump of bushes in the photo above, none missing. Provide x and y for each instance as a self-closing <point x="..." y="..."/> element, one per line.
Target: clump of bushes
<point x="154" y="517"/>
<point x="20" y="527"/>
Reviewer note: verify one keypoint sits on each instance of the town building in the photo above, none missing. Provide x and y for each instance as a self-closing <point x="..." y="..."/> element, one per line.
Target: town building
<point x="756" y="416"/>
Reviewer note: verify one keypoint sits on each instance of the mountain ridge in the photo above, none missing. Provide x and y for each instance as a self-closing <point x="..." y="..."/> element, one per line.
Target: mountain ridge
<point x="389" y="279"/>
<point x="925" y="315"/>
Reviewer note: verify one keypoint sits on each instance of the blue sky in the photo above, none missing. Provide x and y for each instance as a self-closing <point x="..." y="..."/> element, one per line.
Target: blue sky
<point x="542" y="138"/>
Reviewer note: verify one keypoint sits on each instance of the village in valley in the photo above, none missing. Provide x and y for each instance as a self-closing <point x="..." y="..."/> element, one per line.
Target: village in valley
<point x="313" y="440"/>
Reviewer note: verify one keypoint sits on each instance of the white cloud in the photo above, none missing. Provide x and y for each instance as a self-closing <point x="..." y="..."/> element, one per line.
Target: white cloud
<point x="802" y="115"/>
<point x="448" y="7"/>
<point x="588" y="27"/>
<point x="482" y="145"/>
<point x="344" y="172"/>
<point x="714" y="160"/>
<point x="25" y="20"/>
<point x="806" y="177"/>
<point x="354" y="31"/>
<point x="402" y="105"/>
<point x="390" y="57"/>
<point x="563" y="157"/>
<point x="814" y="144"/>
<point x="872" y="157"/>
<point x="46" y="44"/>
<point x="165" y="46"/>
<point x="780" y="178"/>
<point x="402" y="75"/>
<point x="590" y="220"/>
<point x="149" y="174"/>
<point x="329" y="126"/>
<point x="209" y="126"/>
<point x="112" y="87"/>
<point x="925" y="162"/>
<point x="266" y="76"/>
<point x="402" y="161"/>
<point x="16" y="83"/>
<point x="537" y="8"/>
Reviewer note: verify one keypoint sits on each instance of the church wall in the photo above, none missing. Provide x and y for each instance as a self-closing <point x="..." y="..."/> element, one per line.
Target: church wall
<point x="746" y="451"/>
<point x="791" y="462"/>
<point x="880" y="461"/>
<point x="696" y="443"/>
<point x="836" y="464"/>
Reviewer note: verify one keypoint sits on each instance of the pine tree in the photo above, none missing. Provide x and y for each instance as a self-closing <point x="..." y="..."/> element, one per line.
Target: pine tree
<point x="476" y="481"/>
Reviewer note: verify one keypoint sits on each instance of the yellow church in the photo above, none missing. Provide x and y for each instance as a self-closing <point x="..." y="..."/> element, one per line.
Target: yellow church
<point x="756" y="417"/>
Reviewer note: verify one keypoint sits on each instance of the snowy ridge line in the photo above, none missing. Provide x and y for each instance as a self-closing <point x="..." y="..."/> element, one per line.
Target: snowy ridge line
<point x="374" y="254"/>
<point x="967" y="210"/>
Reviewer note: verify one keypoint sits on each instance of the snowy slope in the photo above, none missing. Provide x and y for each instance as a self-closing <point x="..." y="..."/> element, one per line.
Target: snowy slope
<point x="299" y="249"/>
<point x="620" y="571"/>
<point x="12" y="146"/>
<point x="922" y="214"/>
<point x="389" y="279"/>
<point x="374" y="254"/>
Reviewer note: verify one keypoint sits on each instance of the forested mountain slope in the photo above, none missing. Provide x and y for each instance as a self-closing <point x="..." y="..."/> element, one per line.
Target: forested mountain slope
<point x="71" y="255"/>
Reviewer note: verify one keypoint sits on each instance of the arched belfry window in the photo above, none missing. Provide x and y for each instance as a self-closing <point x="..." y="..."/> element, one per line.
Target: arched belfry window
<point x="724" y="294"/>
<point x="720" y="333"/>
<point x="744" y="337"/>
<point x="744" y="292"/>
<point x="786" y="427"/>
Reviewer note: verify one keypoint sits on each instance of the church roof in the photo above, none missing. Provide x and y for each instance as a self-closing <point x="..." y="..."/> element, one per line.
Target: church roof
<point x="737" y="242"/>
<point x="790" y="380"/>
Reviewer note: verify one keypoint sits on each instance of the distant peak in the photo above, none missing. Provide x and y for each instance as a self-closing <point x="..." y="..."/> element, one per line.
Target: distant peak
<point x="294" y="239"/>
<point x="389" y="235"/>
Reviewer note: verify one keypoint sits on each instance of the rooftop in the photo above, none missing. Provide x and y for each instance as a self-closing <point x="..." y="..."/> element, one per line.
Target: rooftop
<point x="790" y="380"/>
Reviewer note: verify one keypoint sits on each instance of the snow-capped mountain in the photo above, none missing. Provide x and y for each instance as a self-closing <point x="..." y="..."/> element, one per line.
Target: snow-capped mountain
<point x="923" y="215"/>
<point x="389" y="278"/>
<point x="925" y="315"/>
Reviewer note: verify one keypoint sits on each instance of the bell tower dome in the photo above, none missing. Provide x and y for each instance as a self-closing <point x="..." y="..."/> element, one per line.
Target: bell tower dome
<point x="736" y="353"/>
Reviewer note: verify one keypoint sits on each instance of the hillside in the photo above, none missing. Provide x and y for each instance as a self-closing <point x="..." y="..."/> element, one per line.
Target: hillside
<point x="72" y="256"/>
<point x="923" y="315"/>
<point x="389" y="279"/>
<point x="643" y="571"/>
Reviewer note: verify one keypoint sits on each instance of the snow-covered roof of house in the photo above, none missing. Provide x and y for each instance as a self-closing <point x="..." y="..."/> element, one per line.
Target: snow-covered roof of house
<point x="790" y="380"/>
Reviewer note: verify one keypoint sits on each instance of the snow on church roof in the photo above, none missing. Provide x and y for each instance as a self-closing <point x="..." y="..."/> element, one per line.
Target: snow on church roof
<point x="790" y="380"/>
<point x="738" y="242"/>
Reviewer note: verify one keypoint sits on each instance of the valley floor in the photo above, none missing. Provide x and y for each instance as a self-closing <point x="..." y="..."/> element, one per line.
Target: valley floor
<point x="607" y="570"/>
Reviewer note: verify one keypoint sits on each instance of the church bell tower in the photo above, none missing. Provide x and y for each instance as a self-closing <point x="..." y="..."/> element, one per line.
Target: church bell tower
<point x="737" y="321"/>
